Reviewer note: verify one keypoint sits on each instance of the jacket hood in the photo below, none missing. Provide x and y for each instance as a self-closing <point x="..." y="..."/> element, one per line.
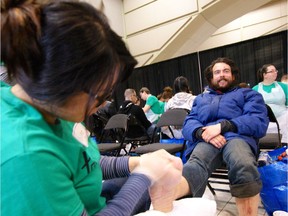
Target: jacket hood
<point x="126" y="106"/>
<point x="181" y="100"/>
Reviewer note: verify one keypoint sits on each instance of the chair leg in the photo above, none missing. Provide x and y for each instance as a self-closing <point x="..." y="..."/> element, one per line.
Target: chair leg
<point x="210" y="188"/>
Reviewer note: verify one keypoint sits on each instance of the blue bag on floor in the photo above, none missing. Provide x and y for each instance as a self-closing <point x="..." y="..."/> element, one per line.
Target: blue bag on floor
<point x="174" y="140"/>
<point x="275" y="185"/>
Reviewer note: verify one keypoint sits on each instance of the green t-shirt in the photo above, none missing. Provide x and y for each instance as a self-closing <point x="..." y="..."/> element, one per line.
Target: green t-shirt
<point x="45" y="170"/>
<point x="155" y="105"/>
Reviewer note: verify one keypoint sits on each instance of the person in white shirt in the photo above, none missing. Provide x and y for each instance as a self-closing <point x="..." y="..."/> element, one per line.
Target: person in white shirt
<point x="183" y="99"/>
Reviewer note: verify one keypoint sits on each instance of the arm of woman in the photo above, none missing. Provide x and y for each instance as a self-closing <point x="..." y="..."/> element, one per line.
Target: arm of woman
<point x="125" y="201"/>
<point x="284" y="86"/>
<point x="146" y="108"/>
<point x="116" y="167"/>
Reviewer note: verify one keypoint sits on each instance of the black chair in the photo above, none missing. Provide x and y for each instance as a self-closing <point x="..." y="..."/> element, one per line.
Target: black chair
<point x="97" y="123"/>
<point x="136" y="134"/>
<point x="271" y="140"/>
<point x="219" y="176"/>
<point x="115" y="130"/>
<point x="173" y="117"/>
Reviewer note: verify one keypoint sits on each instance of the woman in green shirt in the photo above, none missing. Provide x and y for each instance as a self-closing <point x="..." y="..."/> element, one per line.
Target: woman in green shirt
<point x="66" y="61"/>
<point x="275" y="94"/>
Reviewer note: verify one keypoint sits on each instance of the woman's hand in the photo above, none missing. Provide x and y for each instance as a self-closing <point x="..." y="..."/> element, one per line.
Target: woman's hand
<point x="165" y="171"/>
<point x="159" y="165"/>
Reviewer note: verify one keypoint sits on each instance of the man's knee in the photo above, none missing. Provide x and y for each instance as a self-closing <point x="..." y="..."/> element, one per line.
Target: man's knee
<point x="246" y="190"/>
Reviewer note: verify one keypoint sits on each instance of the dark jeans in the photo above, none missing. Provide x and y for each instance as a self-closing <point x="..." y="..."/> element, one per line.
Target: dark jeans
<point x="241" y="163"/>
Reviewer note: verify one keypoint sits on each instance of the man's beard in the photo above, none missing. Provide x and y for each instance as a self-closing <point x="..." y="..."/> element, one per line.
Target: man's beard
<point x="217" y="87"/>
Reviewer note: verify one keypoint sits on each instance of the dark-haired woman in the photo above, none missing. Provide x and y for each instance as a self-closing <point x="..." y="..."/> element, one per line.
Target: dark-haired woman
<point x="275" y="94"/>
<point x="182" y="99"/>
<point x="66" y="61"/>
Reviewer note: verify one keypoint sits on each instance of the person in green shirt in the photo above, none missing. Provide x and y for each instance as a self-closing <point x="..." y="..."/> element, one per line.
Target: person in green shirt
<point x="66" y="61"/>
<point x="275" y="94"/>
<point x="153" y="107"/>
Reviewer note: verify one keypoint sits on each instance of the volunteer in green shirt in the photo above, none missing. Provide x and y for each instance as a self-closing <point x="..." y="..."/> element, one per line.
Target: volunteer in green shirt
<point x="66" y="61"/>
<point x="153" y="107"/>
<point x="275" y="94"/>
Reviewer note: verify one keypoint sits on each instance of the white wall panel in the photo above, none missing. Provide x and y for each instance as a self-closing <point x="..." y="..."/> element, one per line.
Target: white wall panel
<point x="144" y="59"/>
<point x="158" y="30"/>
<point x="273" y="11"/>
<point x="263" y="28"/>
<point x="188" y="40"/>
<point x="157" y="13"/>
<point x="222" y="38"/>
<point x="154" y="39"/>
<point x="114" y="11"/>
<point x="130" y="5"/>
<point x="204" y="3"/>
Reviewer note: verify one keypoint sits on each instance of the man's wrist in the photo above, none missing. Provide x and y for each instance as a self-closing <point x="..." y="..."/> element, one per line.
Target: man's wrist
<point x="198" y="133"/>
<point x="227" y="126"/>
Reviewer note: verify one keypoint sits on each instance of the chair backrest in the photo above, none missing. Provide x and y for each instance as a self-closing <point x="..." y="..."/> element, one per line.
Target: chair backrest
<point x="135" y="127"/>
<point x="271" y="116"/>
<point x="271" y="140"/>
<point x="115" y="129"/>
<point x="98" y="123"/>
<point x="172" y="117"/>
<point x="117" y="121"/>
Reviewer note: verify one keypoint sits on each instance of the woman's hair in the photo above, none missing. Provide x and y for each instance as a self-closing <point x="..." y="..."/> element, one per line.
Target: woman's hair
<point x="234" y="69"/>
<point x="167" y="93"/>
<point x="181" y="85"/>
<point x="244" y="85"/>
<point x="59" y="49"/>
<point x="261" y="71"/>
<point x="284" y="78"/>
<point x="144" y="89"/>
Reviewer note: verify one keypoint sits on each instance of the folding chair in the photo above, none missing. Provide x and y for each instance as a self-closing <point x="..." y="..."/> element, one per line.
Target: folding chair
<point x="219" y="176"/>
<point x="271" y="140"/>
<point x="173" y="117"/>
<point x="136" y="134"/>
<point x="115" y="129"/>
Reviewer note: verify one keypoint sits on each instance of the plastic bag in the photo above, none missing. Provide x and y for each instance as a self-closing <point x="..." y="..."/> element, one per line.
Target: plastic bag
<point x="275" y="185"/>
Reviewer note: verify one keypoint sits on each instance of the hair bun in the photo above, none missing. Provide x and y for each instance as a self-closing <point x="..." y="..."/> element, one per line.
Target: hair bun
<point x="11" y="4"/>
<point x="20" y="31"/>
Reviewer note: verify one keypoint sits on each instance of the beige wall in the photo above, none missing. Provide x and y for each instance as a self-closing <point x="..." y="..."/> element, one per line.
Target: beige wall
<point x="157" y="30"/>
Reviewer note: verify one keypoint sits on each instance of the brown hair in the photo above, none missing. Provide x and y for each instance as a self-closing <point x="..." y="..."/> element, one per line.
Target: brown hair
<point x="53" y="54"/>
<point x="144" y="89"/>
<point x="234" y="69"/>
<point x="181" y="84"/>
<point x="261" y="71"/>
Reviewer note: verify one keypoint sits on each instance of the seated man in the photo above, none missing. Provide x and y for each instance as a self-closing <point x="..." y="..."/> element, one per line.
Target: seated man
<point x="224" y="126"/>
<point x="153" y="107"/>
<point x="129" y="107"/>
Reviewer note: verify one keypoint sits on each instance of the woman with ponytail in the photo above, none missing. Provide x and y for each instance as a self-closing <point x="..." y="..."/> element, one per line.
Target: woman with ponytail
<point x="66" y="61"/>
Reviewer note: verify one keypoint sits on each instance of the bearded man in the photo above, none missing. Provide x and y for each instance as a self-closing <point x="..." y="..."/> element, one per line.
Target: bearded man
<point x="224" y="126"/>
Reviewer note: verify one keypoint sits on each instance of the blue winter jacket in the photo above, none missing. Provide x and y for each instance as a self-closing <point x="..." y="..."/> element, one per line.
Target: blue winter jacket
<point x="243" y="106"/>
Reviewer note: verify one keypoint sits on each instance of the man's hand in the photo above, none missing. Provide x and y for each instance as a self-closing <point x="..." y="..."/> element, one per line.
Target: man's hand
<point x="219" y="141"/>
<point x="210" y="132"/>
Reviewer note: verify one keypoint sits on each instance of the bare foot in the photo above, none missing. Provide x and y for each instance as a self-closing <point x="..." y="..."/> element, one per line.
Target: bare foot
<point x="162" y="197"/>
<point x="163" y="192"/>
